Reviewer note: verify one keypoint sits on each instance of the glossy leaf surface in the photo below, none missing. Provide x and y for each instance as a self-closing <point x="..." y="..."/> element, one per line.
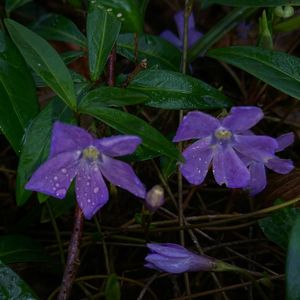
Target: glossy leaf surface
<point x="278" y="69"/>
<point x="156" y="50"/>
<point x="172" y="90"/>
<point x="44" y="60"/>
<point x="102" y="32"/>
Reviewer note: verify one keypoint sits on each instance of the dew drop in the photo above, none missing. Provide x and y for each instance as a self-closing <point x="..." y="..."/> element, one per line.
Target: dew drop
<point x="60" y="192"/>
<point x="63" y="170"/>
<point x="119" y="15"/>
<point x="96" y="190"/>
<point x="55" y="178"/>
<point x="54" y="189"/>
<point x="39" y="65"/>
<point x="109" y="9"/>
<point x="89" y="200"/>
<point x="57" y="184"/>
<point x="88" y="183"/>
<point x="122" y="19"/>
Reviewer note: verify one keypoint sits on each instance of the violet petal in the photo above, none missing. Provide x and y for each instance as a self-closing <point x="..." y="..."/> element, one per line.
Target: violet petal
<point x="196" y="125"/>
<point x="285" y="140"/>
<point x="169" y="249"/>
<point x="67" y="137"/>
<point x="118" y="145"/>
<point x="229" y="169"/>
<point x="242" y="118"/>
<point x="258" y="180"/>
<point x="55" y="175"/>
<point x="259" y="148"/>
<point x="91" y="190"/>
<point x="179" y="20"/>
<point x="194" y="36"/>
<point x="171" y="37"/>
<point x="198" y="157"/>
<point x="281" y="166"/>
<point x="121" y="174"/>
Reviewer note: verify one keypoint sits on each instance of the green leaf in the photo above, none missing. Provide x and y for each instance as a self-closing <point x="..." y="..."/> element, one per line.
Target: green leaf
<point x="288" y="25"/>
<point x="59" y="28"/>
<point x="113" y="96"/>
<point x="257" y="3"/>
<point x="18" y="101"/>
<point x="102" y="33"/>
<point x="112" y="289"/>
<point x="129" y="124"/>
<point x="276" y="226"/>
<point x="172" y="90"/>
<point x="11" y="5"/>
<point x="278" y="69"/>
<point x="44" y="60"/>
<point x="127" y="11"/>
<point x="156" y="50"/>
<point x="70" y="56"/>
<point x="20" y="248"/>
<point x="37" y="142"/>
<point x="168" y="166"/>
<point x="12" y="287"/>
<point x="293" y="263"/>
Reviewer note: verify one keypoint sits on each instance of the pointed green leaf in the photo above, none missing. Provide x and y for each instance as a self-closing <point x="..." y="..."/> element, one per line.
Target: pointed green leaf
<point x="127" y="11"/>
<point x="36" y="145"/>
<point x="20" y="248"/>
<point x="102" y="33"/>
<point x="278" y="69"/>
<point x="156" y="50"/>
<point x="293" y="263"/>
<point x="129" y="124"/>
<point x="258" y="3"/>
<point x="44" y="60"/>
<point x="112" y="289"/>
<point x="113" y="96"/>
<point x="12" y="287"/>
<point x="172" y="90"/>
<point x="18" y="100"/>
<point x="59" y="28"/>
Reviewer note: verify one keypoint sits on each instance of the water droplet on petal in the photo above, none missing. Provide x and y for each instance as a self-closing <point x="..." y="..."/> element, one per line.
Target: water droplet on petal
<point x="89" y="200"/>
<point x="60" y="192"/>
<point x="64" y="170"/>
<point x="55" y="178"/>
<point x="88" y="183"/>
<point x="96" y="190"/>
<point x="57" y="184"/>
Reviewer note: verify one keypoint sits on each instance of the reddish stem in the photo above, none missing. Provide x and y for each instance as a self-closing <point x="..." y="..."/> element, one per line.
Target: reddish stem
<point x="73" y="257"/>
<point x="111" y="68"/>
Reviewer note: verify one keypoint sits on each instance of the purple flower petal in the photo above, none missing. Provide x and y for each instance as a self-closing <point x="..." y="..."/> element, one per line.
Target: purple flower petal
<point x="194" y="36"/>
<point x="258" y="180"/>
<point x="122" y="175"/>
<point x="171" y="37"/>
<point x="169" y="249"/>
<point x="259" y="148"/>
<point x="281" y="166"/>
<point x="196" y="125"/>
<point x="197" y="160"/>
<point x="229" y="169"/>
<point x="167" y="264"/>
<point x="55" y="175"/>
<point x="179" y="20"/>
<point x="285" y="140"/>
<point x="242" y="118"/>
<point x="67" y="137"/>
<point x="91" y="190"/>
<point x="118" y="145"/>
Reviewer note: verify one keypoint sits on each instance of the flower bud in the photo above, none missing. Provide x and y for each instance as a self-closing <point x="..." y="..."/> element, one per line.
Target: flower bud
<point x="175" y="259"/>
<point x="155" y="198"/>
<point x="284" y="12"/>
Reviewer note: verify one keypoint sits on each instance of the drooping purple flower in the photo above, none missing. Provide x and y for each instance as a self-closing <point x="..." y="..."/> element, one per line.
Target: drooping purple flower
<point x="258" y="180"/>
<point x="75" y="153"/>
<point x="221" y="142"/>
<point x="193" y="34"/>
<point x="173" y="258"/>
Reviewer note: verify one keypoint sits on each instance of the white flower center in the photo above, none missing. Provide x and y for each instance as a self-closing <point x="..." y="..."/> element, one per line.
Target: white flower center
<point x="223" y="134"/>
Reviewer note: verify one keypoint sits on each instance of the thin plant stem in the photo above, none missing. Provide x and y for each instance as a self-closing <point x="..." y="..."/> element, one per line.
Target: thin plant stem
<point x="107" y="264"/>
<point x="57" y="234"/>
<point x="73" y="257"/>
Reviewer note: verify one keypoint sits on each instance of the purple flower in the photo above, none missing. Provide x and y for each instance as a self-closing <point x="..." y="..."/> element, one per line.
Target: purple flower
<point x="257" y="170"/>
<point x="193" y="34"/>
<point x="74" y="152"/>
<point x="173" y="258"/>
<point x="222" y="142"/>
